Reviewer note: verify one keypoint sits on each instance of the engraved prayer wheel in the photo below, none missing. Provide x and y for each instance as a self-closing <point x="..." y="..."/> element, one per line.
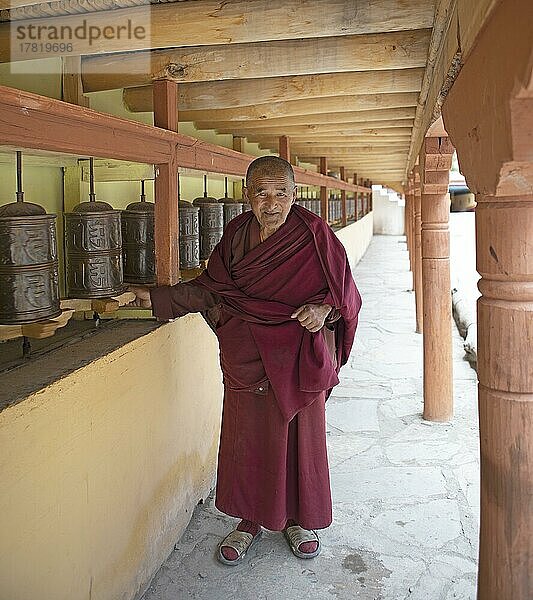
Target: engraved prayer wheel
<point x="245" y="206"/>
<point x="93" y="249"/>
<point x="189" y="235"/>
<point x="232" y="207"/>
<point x="138" y="248"/>
<point x="211" y="222"/>
<point x="29" y="277"/>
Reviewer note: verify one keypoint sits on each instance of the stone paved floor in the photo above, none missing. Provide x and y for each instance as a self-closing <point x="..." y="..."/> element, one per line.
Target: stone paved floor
<point x="405" y="491"/>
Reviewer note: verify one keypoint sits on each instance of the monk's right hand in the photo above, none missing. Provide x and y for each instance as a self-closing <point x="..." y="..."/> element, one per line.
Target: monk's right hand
<point x="142" y="296"/>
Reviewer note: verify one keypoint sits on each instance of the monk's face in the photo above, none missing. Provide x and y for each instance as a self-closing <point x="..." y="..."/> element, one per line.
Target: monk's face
<point x="271" y="196"/>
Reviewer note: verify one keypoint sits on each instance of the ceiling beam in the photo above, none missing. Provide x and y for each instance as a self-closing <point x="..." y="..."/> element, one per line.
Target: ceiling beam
<point x="344" y="54"/>
<point x="305" y="106"/>
<point x="246" y="92"/>
<point x="358" y="116"/>
<point x="212" y="22"/>
<point x="315" y="125"/>
<point x="339" y="129"/>
<point x="352" y="141"/>
<point x="347" y="151"/>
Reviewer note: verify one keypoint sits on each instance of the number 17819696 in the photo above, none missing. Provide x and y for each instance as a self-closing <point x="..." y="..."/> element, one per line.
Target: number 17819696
<point x="30" y="47"/>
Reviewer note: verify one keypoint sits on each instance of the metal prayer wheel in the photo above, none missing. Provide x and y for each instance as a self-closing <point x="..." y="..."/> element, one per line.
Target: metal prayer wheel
<point x="138" y="248"/>
<point x="29" y="277"/>
<point x="189" y="235"/>
<point x="93" y="249"/>
<point x="232" y="207"/>
<point x="211" y="222"/>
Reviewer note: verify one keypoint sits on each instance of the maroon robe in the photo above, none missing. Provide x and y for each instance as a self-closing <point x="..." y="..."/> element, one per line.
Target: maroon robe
<point x="272" y="458"/>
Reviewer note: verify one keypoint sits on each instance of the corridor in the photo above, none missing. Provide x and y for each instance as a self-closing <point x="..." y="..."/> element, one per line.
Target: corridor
<point x="405" y="490"/>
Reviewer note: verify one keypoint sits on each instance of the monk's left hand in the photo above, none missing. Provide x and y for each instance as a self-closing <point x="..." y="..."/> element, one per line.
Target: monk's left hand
<point x="312" y="316"/>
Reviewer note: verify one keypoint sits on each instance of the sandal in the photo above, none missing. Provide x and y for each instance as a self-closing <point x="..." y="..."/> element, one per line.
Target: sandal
<point x="241" y="542"/>
<point x="296" y="536"/>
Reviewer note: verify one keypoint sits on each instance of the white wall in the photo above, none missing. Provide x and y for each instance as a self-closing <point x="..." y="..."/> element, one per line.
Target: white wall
<point x="388" y="210"/>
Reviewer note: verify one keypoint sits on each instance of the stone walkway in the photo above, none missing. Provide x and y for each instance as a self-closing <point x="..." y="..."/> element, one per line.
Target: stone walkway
<point x="405" y="491"/>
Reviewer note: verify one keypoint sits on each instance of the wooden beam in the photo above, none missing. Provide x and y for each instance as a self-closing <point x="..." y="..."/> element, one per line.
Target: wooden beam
<point x="212" y="22"/>
<point x="71" y="85"/>
<point x="45" y="124"/>
<point x="306" y="106"/>
<point x="456" y="27"/>
<point x="248" y="92"/>
<point x="31" y="121"/>
<point x="316" y="125"/>
<point x="354" y="141"/>
<point x="378" y="53"/>
<point x="285" y="147"/>
<point x="324" y="198"/>
<point x="166" y="189"/>
<point x="356" y="116"/>
<point x="344" y="214"/>
<point x="165" y="103"/>
<point x="334" y="129"/>
<point x="348" y="150"/>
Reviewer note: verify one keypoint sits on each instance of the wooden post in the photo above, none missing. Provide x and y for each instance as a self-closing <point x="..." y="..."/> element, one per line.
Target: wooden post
<point x="370" y="197"/>
<point x="488" y="115"/>
<point x="418" y="251"/>
<point x="71" y="82"/>
<point x="361" y="198"/>
<point x="238" y="146"/>
<point x="324" y="203"/>
<point x="435" y="163"/>
<point x="409" y="218"/>
<point x="344" y="214"/>
<point x="166" y="188"/>
<point x="367" y="197"/>
<point x="285" y="147"/>
<point x="356" y="198"/>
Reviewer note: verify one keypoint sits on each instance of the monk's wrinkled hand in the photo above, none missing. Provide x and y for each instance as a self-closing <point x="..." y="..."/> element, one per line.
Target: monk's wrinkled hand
<point x="312" y="316"/>
<point x="142" y="296"/>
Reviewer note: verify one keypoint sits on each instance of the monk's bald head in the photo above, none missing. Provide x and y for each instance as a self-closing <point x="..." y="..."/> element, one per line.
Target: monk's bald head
<point x="265" y="166"/>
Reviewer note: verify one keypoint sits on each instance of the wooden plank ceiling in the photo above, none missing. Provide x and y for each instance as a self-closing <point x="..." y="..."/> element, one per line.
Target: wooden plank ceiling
<point x="341" y="78"/>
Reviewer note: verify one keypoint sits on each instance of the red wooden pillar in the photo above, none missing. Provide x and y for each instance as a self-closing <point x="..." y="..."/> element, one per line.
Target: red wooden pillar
<point x="356" y="198"/>
<point x="285" y="147"/>
<point x="409" y="217"/>
<point x="344" y="214"/>
<point x="418" y="251"/>
<point x="361" y="198"/>
<point x="435" y="163"/>
<point x="488" y="114"/>
<point x="324" y="203"/>
<point x="165" y="100"/>
<point x="370" y="197"/>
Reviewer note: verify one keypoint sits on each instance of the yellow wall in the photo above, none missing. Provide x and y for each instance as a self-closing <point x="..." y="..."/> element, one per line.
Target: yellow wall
<point x="101" y="470"/>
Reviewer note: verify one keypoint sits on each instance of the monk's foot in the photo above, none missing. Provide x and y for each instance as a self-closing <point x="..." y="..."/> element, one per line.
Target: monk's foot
<point x="304" y="543"/>
<point x="233" y="547"/>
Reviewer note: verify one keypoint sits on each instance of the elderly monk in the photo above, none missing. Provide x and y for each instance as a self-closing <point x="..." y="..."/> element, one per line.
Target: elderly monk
<point x="280" y="297"/>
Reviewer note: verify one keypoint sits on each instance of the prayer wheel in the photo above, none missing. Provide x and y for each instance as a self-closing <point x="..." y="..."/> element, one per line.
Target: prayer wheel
<point x="93" y="249"/>
<point x="245" y="206"/>
<point x="232" y="207"/>
<point x="211" y="222"/>
<point x="138" y="248"/>
<point x="189" y="235"/>
<point x="29" y="277"/>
